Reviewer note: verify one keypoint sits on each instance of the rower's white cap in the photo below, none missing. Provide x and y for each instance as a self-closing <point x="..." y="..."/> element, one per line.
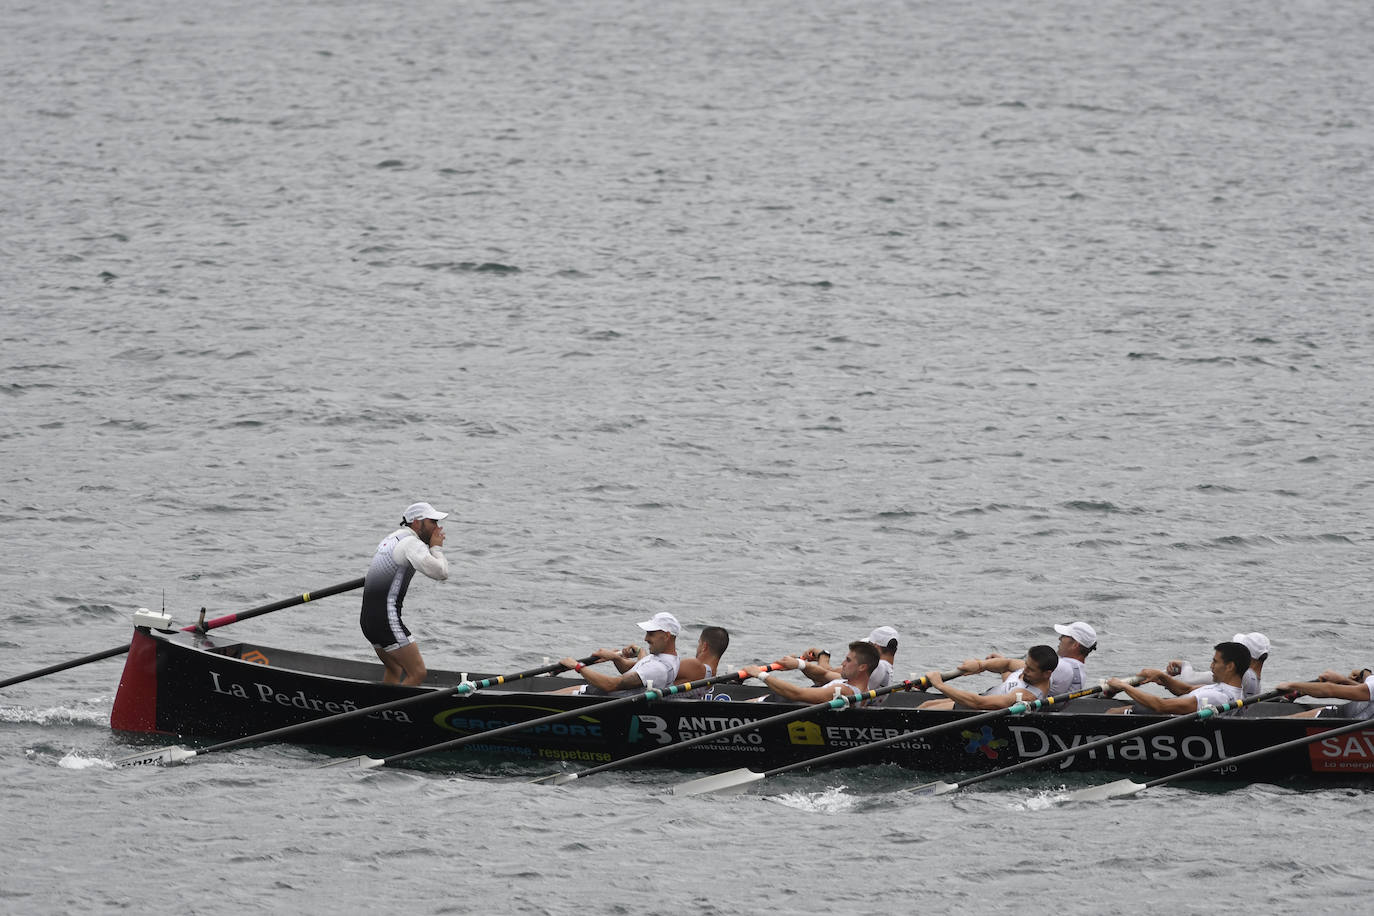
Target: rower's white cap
<point x="662" y="621"/>
<point x="423" y="510"/>
<point x="882" y="636"/>
<point x="1257" y="643"/>
<point x="1079" y="632"/>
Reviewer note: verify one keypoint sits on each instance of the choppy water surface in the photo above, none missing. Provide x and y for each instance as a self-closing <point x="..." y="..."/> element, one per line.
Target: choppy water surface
<point x="794" y="318"/>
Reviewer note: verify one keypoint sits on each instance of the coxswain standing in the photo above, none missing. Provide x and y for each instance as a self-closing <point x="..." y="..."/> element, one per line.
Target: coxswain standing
<point x="414" y="546"/>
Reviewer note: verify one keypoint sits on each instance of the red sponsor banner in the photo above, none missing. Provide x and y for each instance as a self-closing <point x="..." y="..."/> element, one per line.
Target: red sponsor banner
<point x="1352" y="752"/>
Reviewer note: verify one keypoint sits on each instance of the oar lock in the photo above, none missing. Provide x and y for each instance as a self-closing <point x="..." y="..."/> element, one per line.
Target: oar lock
<point x="160" y="620"/>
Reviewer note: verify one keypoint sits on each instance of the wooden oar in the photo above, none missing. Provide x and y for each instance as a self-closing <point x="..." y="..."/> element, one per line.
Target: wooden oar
<point x="940" y="788"/>
<point x="656" y="693"/>
<point x="736" y="780"/>
<point x="198" y="627"/>
<point x="170" y="755"/>
<point x="920" y="683"/>
<point x="1124" y="787"/>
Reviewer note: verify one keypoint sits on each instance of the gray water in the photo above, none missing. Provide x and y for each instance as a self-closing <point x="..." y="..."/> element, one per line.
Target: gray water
<point x="791" y="317"/>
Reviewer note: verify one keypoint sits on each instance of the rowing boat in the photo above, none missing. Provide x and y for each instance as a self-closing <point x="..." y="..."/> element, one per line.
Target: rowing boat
<point x="199" y="686"/>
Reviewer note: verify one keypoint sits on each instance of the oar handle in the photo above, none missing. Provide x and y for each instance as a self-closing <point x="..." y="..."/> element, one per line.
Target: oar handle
<point x="647" y="695"/>
<point x="275" y="606"/>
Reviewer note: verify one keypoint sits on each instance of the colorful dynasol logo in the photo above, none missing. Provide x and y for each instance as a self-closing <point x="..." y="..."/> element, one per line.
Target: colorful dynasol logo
<point x="255" y="657"/>
<point x="805" y="733"/>
<point x="982" y="740"/>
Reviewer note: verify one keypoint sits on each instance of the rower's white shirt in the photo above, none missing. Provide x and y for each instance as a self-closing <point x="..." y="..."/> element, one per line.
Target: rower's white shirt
<point x="424" y="558"/>
<point x="656" y="671"/>
<point x="1070" y="676"/>
<point x="881" y="676"/>
<point x="1013" y="683"/>
<point x="838" y="683"/>
<point x="1249" y="682"/>
<point x="1359" y="709"/>
<point x="1215" y="695"/>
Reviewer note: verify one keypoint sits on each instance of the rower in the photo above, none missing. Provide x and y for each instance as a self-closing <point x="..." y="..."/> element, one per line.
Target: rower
<point x="1230" y="661"/>
<point x="415" y="546"/>
<point x="816" y="662"/>
<point x="1029" y="682"/>
<point x="711" y="645"/>
<point x="637" y="671"/>
<point x="1257" y="643"/>
<point x="1077" y="640"/>
<point x="855" y="670"/>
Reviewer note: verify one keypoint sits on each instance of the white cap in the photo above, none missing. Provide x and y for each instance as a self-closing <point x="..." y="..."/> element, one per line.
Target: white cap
<point x="882" y="636"/>
<point x="1079" y="632"/>
<point x="423" y="510"/>
<point x="1257" y="643"/>
<point x="662" y="621"/>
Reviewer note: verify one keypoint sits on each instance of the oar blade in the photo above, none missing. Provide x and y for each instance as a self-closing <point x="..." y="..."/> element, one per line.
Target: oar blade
<point x="729" y="783"/>
<point x="355" y="763"/>
<point x="166" y="756"/>
<point x="1105" y="791"/>
<point x="553" y="779"/>
<point x="938" y="787"/>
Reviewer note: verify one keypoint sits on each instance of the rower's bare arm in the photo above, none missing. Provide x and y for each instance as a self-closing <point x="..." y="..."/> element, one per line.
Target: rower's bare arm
<point x="1324" y="690"/>
<point x="1002" y="665"/>
<point x="604" y="680"/>
<point x="801" y="693"/>
<point x="816" y="672"/>
<point x="1153" y="702"/>
<point x="1335" y="677"/>
<point x="970" y="700"/>
<point x="1177" y="686"/>
<point x="623" y="659"/>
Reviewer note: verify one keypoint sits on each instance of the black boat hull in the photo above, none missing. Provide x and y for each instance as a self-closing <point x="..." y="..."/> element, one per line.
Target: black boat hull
<point x="178" y="685"/>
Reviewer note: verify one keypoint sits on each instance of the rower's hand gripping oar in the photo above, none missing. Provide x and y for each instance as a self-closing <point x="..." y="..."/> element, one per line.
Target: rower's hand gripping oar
<point x="172" y="755"/>
<point x="920" y="683"/>
<point x="736" y="780"/>
<point x="1124" y="787"/>
<point x="651" y="694"/>
<point x="199" y="627"/>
